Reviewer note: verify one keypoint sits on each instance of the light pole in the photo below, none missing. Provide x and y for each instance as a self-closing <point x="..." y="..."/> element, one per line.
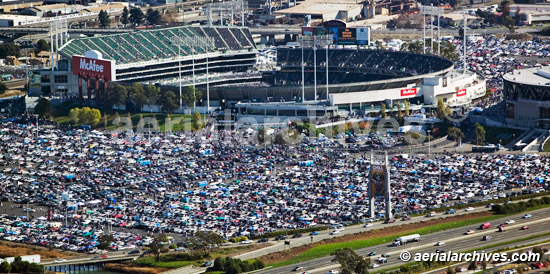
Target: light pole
<point x="178" y="43"/>
<point x="314" y="70"/>
<point x="27" y="209"/>
<point x="303" y="77"/>
<point x="429" y="143"/>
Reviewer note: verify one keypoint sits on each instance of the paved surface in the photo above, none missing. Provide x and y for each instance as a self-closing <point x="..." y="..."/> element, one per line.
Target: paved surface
<point x="454" y="238"/>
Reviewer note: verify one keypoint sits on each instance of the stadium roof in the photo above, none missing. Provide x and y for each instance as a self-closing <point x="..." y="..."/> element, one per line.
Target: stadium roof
<point x="158" y="44"/>
<point x="530" y="76"/>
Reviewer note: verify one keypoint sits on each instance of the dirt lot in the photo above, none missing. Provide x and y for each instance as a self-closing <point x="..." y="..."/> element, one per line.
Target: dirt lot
<point x="9" y="249"/>
<point x="371" y="234"/>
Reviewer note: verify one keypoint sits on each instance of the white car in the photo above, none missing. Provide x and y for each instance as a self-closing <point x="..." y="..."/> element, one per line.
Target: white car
<point x="527" y="216"/>
<point x="367" y="225"/>
<point x="60" y="261"/>
<point x="246" y="242"/>
<point x="333" y="272"/>
<point x="334" y="232"/>
<point x="471" y="231"/>
<point x="470" y="209"/>
<point x="509" y="222"/>
<point x="374" y="265"/>
<point x="439" y="243"/>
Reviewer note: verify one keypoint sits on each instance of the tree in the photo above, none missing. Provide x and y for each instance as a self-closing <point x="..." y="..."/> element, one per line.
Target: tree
<point x="5" y="267"/>
<point x="74" y="115"/>
<point x="159" y="241"/>
<point x="104" y="19"/>
<point x="206" y="241"/>
<point x="196" y="122"/>
<point x="455" y="133"/>
<point x="136" y="16"/>
<point x="153" y="16"/>
<point x="288" y="136"/>
<point x="117" y="95"/>
<point x="480" y="134"/>
<point x="383" y="110"/>
<point x="86" y="115"/>
<point x="9" y="49"/>
<point x="442" y="110"/>
<point x="351" y="262"/>
<point x="42" y="45"/>
<point x="3" y="88"/>
<point x="152" y="93"/>
<point x="137" y="95"/>
<point x="168" y="102"/>
<point x="125" y="15"/>
<point x="105" y="241"/>
<point x="190" y="96"/>
<point x="538" y="249"/>
<point x="399" y="113"/>
<point x="43" y="108"/>
<point x="450" y="270"/>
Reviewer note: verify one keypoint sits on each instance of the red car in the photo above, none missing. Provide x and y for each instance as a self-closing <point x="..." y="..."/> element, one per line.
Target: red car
<point x="525" y="227"/>
<point x="104" y="256"/>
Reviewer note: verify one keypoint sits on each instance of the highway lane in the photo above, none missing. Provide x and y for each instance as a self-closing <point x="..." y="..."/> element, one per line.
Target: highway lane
<point x="447" y="236"/>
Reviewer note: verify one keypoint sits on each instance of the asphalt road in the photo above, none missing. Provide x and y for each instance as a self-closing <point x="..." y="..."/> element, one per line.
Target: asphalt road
<point x="454" y="238"/>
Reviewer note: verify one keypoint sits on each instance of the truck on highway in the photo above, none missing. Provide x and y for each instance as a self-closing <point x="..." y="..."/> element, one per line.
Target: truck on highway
<point x="485" y="226"/>
<point x="406" y="239"/>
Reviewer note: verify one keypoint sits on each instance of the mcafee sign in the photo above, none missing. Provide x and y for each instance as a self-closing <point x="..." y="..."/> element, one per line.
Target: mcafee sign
<point x="461" y="92"/>
<point x="93" y="68"/>
<point x="408" y="92"/>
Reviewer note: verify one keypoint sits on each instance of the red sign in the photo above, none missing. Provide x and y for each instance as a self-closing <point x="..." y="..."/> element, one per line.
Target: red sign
<point x="461" y="92"/>
<point x="93" y="68"/>
<point x="408" y="92"/>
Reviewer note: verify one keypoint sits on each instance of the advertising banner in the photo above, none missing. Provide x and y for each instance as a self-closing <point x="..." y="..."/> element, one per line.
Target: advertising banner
<point x="363" y="36"/>
<point x="347" y="36"/>
<point x="93" y="68"/>
<point x="461" y="92"/>
<point x="378" y="181"/>
<point x="408" y="92"/>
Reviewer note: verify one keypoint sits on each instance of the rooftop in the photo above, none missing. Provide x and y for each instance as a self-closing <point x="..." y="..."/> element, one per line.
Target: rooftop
<point x="531" y="76"/>
<point x="320" y="7"/>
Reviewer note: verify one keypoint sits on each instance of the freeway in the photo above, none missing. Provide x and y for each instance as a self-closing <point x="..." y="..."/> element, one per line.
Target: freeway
<point x="306" y="239"/>
<point x="454" y="238"/>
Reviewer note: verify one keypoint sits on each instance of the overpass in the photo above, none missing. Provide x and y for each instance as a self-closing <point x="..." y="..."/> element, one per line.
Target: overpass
<point x="85" y="263"/>
<point x="30" y="30"/>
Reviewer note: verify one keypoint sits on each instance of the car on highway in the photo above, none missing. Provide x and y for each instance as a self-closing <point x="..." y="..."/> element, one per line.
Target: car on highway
<point x="525" y="227"/>
<point x="367" y="225"/>
<point x="501" y="228"/>
<point x="405" y="218"/>
<point x="104" y="256"/>
<point x="333" y="272"/>
<point x="450" y="211"/>
<point x="305" y="272"/>
<point x="486" y="238"/>
<point x="372" y="253"/>
<point x="137" y="251"/>
<point x="374" y="265"/>
<point x="246" y="242"/>
<point x="280" y="237"/>
<point x="527" y="216"/>
<point x="431" y="214"/>
<point x="381" y="260"/>
<point x="470" y="231"/>
<point x="440" y="243"/>
<point x="298" y="268"/>
<point x="263" y="240"/>
<point x="509" y="222"/>
<point x="314" y="233"/>
<point x="335" y="232"/>
<point x="60" y="261"/>
<point x="208" y="264"/>
<point x="297" y="235"/>
<point x="386" y="255"/>
<point x="469" y="209"/>
<point x="389" y="221"/>
<point x="439" y="251"/>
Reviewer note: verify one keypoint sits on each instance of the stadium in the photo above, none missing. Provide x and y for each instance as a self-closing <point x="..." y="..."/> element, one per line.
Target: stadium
<point x="225" y="58"/>
<point x="527" y="97"/>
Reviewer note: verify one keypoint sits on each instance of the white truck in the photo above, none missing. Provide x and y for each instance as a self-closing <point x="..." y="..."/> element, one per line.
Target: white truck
<point x="406" y="239"/>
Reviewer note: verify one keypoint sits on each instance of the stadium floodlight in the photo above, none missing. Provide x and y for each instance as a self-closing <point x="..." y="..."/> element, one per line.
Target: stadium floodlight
<point x="179" y="42"/>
